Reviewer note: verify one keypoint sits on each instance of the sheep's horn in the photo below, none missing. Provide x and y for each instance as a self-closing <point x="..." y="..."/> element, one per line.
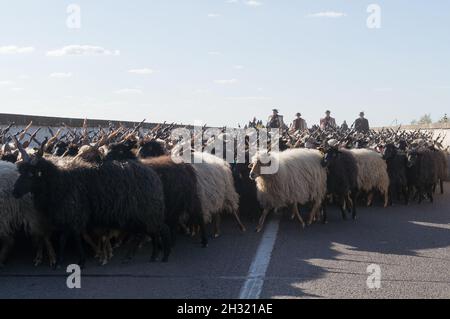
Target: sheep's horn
<point x="25" y="156"/>
<point x="25" y="130"/>
<point x="32" y="137"/>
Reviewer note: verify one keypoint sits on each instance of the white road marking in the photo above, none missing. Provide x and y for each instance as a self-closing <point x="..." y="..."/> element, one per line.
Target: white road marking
<point x="255" y="278"/>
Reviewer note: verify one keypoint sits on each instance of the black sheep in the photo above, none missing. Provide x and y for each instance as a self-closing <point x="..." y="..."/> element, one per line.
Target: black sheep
<point x="60" y="148"/>
<point x="342" y="182"/>
<point x="441" y="166"/>
<point x="81" y="195"/>
<point x="9" y="157"/>
<point x="422" y="173"/>
<point x="179" y="182"/>
<point x="397" y="170"/>
<point x="153" y="148"/>
<point x="246" y="188"/>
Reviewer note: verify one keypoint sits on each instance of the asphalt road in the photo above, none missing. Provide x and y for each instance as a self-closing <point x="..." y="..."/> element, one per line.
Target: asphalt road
<point x="410" y="244"/>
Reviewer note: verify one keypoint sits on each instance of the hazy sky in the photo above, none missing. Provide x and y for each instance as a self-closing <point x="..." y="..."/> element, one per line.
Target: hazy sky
<point x="221" y="62"/>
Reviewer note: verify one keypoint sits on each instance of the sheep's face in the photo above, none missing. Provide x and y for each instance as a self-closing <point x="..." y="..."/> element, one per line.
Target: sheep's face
<point x="255" y="170"/>
<point x="151" y="149"/>
<point x="10" y="157"/>
<point x="120" y="152"/>
<point x="329" y="157"/>
<point x="389" y="151"/>
<point x="60" y="149"/>
<point x="413" y="157"/>
<point x="29" y="175"/>
<point x="256" y="167"/>
<point x="90" y="154"/>
<point x="72" y="150"/>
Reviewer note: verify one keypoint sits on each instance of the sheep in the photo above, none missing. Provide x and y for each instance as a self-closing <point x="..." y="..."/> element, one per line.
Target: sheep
<point x="153" y="148"/>
<point x="216" y="189"/>
<point x="9" y="157"/>
<point x="441" y="166"/>
<point x="246" y="189"/>
<point x="396" y="162"/>
<point x="372" y="174"/>
<point x="342" y="178"/>
<point x="215" y="183"/>
<point x="79" y="195"/>
<point x="179" y="182"/>
<point x="300" y="179"/>
<point x="20" y="214"/>
<point x="422" y="172"/>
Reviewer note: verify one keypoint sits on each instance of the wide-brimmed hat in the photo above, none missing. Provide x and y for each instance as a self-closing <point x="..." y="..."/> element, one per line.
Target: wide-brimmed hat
<point x="298" y="114"/>
<point x="327" y="111"/>
<point x="275" y="110"/>
<point x="361" y="114"/>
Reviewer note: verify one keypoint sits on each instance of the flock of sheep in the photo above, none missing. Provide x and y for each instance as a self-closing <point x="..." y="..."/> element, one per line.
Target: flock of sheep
<point x="116" y="186"/>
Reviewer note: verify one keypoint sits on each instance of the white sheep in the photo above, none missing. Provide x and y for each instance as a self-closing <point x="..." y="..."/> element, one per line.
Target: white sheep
<point x="372" y="173"/>
<point x="18" y="214"/>
<point x="300" y="179"/>
<point x="216" y="189"/>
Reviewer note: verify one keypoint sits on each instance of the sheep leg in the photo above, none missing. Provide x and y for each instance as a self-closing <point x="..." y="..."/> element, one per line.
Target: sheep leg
<point x="155" y="248"/>
<point x="8" y="243"/>
<point x="166" y="243"/>
<point x="241" y="226"/>
<point x="103" y="250"/>
<point x="185" y="229"/>
<point x="135" y="241"/>
<point x="405" y="194"/>
<point x="109" y="248"/>
<point x="262" y="219"/>
<point x="386" y="198"/>
<point x="369" y="199"/>
<point x="297" y="214"/>
<point x="352" y="203"/>
<point x="324" y="213"/>
<point x="120" y="237"/>
<point x="62" y="247"/>
<point x="342" y="206"/>
<point x="194" y="230"/>
<point x="50" y="251"/>
<point x="430" y="195"/>
<point x="441" y="184"/>
<point x="391" y="195"/>
<point x="420" y="194"/>
<point x="39" y="245"/>
<point x="88" y="239"/>
<point x="203" y="234"/>
<point x="81" y="252"/>
<point x="313" y="213"/>
<point x="216" y="222"/>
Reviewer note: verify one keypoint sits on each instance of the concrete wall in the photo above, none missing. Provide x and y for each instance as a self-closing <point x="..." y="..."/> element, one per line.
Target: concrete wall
<point x="23" y="120"/>
<point x="55" y="123"/>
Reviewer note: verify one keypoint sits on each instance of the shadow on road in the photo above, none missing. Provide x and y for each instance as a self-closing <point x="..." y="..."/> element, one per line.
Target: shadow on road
<point x="331" y="260"/>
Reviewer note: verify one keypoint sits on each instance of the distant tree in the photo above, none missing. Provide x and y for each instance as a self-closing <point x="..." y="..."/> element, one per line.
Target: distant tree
<point x="444" y="120"/>
<point x="425" y="119"/>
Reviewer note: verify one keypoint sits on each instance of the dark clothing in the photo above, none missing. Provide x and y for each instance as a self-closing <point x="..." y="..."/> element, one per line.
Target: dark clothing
<point x="344" y="127"/>
<point x="362" y="125"/>
<point x="327" y="122"/>
<point x="299" y="124"/>
<point x="275" y="121"/>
